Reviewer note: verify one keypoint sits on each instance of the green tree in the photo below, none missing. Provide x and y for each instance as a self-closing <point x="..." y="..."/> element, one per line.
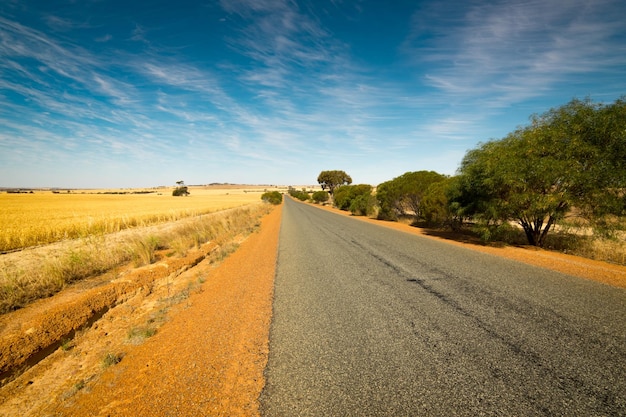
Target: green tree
<point x="403" y="195"/>
<point x="180" y="190"/>
<point x="320" y="196"/>
<point x="272" y="197"/>
<point x="346" y="194"/>
<point x="333" y="179"/>
<point x="435" y="205"/>
<point x="536" y="174"/>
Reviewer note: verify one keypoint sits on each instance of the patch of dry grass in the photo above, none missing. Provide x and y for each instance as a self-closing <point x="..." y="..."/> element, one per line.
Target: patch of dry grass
<point x="23" y="282"/>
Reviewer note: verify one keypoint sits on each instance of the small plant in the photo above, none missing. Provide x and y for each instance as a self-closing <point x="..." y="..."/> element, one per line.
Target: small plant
<point x="67" y="344"/>
<point x="145" y="250"/>
<point x="111" y="359"/>
<point x="136" y="335"/>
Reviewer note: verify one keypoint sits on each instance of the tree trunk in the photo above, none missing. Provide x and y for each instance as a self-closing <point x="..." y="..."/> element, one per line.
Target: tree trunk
<point x="545" y="231"/>
<point x="530" y="233"/>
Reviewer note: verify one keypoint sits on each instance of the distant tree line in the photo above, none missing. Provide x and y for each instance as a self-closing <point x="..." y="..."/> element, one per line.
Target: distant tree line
<point x="571" y="158"/>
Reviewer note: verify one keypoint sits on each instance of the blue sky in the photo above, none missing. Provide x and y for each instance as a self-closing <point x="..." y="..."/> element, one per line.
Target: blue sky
<point x="99" y="93"/>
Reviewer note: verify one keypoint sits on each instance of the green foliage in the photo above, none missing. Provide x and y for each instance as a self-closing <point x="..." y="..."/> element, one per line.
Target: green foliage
<point x="403" y="195"/>
<point x="572" y="156"/>
<point x="182" y="191"/>
<point x="272" y="197"/>
<point x="299" y="194"/>
<point x="320" y="197"/>
<point x="435" y="205"/>
<point x="363" y="205"/>
<point x="345" y="195"/>
<point x="333" y="179"/>
<point x="111" y="359"/>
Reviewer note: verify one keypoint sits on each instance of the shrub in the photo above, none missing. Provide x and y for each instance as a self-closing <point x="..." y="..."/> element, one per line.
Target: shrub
<point x="300" y="195"/>
<point x="320" y="196"/>
<point x="403" y="195"/>
<point x="111" y="359"/>
<point x="272" y="197"/>
<point x="345" y="195"/>
<point x="363" y="205"/>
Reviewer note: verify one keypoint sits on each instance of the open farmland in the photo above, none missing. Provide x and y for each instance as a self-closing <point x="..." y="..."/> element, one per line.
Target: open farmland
<point x="44" y="217"/>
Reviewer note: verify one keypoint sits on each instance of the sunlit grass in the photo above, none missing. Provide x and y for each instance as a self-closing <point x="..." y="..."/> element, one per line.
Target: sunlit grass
<point x="44" y="217"/>
<point x="93" y="255"/>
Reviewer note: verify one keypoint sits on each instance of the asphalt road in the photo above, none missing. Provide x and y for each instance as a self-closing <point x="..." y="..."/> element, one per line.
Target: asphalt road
<point x="370" y="321"/>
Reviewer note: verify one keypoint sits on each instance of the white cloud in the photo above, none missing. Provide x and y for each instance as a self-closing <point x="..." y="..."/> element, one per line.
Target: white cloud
<point x="517" y="50"/>
<point x="104" y="38"/>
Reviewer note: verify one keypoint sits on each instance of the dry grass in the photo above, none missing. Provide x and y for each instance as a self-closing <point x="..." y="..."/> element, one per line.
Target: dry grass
<point x="40" y="272"/>
<point x="43" y="217"/>
<point x="573" y="240"/>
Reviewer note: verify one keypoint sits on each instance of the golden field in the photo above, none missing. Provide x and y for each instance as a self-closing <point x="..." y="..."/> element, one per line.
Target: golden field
<point x="45" y="217"/>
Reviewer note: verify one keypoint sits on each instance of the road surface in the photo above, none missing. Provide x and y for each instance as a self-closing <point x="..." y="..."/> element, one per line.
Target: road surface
<point x="370" y="321"/>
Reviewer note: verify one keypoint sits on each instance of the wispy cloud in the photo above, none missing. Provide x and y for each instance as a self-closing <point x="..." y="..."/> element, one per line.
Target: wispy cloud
<point x="270" y="85"/>
<point x="512" y="51"/>
<point x="104" y="38"/>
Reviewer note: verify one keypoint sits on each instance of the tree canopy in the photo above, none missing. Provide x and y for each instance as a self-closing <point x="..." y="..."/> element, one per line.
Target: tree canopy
<point x="571" y="156"/>
<point x="403" y="195"/>
<point x="353" y="198"/>
<point x="272" y="197"/>
<point x="181" y="189"/>
<point x="333" y="179"/>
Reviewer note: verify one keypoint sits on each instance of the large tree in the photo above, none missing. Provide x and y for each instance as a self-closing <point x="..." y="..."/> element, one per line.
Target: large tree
<point x="403" y="195"/>
<point x="329" y="180"/>
<point x="572" y="156"/>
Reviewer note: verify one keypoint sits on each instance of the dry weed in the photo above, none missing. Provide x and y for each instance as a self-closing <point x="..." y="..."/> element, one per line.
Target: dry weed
<point x="20" y="285"/>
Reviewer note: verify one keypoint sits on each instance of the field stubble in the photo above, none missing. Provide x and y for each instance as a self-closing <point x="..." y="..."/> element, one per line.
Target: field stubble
<point x="24" y="334"/>
<point x="44" y="217"/>
<point x="182" y="223"/>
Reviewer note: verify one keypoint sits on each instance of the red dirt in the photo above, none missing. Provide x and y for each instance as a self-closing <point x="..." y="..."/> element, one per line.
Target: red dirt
<point x="209" y="359"/>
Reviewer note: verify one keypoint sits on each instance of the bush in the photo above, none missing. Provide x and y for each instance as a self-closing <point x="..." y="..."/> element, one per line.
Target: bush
<point x="180" y="191"/>
<point x="272" y="197"/>
<point x="403" y="195"/>
<point x="436" y="206"/>
<point x="345" y="195"/>
<point x="363" y="205"/>
<point x="320" y="196"/>
<point x="300" y="195"/>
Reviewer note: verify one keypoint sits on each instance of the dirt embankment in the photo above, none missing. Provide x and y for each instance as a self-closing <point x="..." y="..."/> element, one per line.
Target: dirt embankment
<point x="206" y="357"/>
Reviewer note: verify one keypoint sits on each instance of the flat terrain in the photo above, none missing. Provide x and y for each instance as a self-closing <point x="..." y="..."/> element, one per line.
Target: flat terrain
<point x="44" y="217"/>
<point x="373" y="322"/>
<point x="208" y="354"/>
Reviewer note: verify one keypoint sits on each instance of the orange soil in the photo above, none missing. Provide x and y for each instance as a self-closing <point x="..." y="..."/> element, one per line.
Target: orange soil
<point x="208" y="359"/>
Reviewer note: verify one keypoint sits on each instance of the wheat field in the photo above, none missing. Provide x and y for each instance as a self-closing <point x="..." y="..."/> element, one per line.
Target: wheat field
<point x="45" y="217"/>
